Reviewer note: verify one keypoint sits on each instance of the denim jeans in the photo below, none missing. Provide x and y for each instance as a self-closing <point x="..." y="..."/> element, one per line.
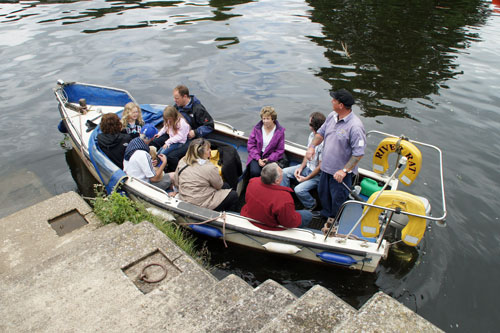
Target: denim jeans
<point x="302" y="189"/>
<point x="306" y="217"/>
<point x="173" y="146"/>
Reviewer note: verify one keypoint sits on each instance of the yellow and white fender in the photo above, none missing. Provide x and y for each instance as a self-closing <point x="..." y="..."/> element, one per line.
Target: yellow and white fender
<point x="413" y="232"/>
<point x="408" y="149"/>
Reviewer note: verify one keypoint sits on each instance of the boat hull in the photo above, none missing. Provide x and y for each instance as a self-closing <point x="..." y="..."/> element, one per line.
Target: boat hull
<point x="304" y="244"/>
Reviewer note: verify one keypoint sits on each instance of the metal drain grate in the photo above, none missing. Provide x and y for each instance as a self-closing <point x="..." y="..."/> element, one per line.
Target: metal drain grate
<point x="67" y="222"/>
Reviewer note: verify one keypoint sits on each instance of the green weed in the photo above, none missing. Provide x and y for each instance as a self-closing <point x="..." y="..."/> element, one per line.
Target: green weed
<point x="118" y="209"/>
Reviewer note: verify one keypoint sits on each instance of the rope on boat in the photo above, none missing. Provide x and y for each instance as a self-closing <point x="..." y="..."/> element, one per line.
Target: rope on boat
<point x="222" y="215"/>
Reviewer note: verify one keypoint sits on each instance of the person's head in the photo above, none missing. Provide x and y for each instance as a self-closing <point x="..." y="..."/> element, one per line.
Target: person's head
<point x="171" y="117"/>
<point x="268" y="111"/>
<point x="181" y="95"/>
<point x="268" y="116"/>
<point x="271" y="174"/>
<point x="148" y="133"/>
<point x="316" y="120"/>
<point x="198" y="149"/>
<point x="342" y="100"/>
<point x="110" y="124"/>
<point x="131" y="113"/>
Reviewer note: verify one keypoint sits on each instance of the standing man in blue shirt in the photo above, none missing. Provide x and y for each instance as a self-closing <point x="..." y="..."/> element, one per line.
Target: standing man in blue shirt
<point x="344" y="139"/>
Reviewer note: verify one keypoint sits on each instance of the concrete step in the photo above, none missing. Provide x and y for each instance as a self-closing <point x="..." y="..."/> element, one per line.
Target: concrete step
<point x="382" y="313"/>
<point x="92" y="282"/>
<point x="251" y="313"/>
<point x="26" y="236"/>
<point x="213" y="302"/>
<point x="318" y="310"/>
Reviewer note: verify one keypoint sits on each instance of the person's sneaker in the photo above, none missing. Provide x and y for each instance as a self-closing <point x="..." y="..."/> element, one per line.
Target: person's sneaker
<point x="313" y="207"/>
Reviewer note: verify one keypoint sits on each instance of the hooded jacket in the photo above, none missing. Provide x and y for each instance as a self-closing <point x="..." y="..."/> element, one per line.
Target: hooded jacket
<point x="114" y="145"/>
<point x="274" y="151"/>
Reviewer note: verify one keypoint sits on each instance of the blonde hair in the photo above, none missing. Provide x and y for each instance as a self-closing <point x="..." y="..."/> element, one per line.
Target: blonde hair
<point x="268" y="111"/>
<point x="129" y="107"/>
<point x="196" y="149"/>
<point x="171" y="112"/>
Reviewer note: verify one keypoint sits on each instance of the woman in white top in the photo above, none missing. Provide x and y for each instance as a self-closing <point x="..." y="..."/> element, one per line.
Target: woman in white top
<point x="266" y="143"/>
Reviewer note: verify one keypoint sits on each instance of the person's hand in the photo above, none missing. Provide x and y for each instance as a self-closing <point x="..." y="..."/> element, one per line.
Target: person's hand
<point x="262" y="162"/>
<point x="155" y="162"/>
<point x="300" y="178"/>
<point x="310" y="153"/>
<point x="297" y="172"/>
<point x="166" y="145"/>
<point x="191" y="134"/>
<point x="156" y="136"/>
<point x="339" y="176"/>
<point x="163" y="159"/>
<point x="172" y="194"/>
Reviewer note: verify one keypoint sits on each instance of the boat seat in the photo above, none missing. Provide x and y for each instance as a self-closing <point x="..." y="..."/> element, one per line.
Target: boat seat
<point x="350" y="215"/>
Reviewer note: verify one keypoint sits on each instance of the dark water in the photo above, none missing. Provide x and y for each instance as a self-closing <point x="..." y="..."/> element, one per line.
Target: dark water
<point x="428" y="69"/>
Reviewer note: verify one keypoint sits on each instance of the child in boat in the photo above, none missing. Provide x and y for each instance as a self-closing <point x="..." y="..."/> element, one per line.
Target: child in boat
<point x="177" y="129"/>
<point x="132" y="120"/>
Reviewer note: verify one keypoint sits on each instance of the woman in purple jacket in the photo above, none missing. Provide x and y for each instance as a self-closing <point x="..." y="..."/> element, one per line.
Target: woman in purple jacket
<point x="266" y="143"/>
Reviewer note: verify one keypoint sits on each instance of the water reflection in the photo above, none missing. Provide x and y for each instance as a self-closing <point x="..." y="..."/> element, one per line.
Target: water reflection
<point x="81" y="175"/>
<point x="391" y="51"/>
<point x="181" y="17"/>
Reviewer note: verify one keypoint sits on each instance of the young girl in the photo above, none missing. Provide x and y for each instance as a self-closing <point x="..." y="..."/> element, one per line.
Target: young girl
<point x="177" y="129"/>
<point x="132" y="120"/>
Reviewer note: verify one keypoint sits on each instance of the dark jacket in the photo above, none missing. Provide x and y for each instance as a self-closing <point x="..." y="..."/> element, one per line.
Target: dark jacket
<point x="270" y="204"/>
<point x="114" y="145"/>
<point x="197" y="116"/>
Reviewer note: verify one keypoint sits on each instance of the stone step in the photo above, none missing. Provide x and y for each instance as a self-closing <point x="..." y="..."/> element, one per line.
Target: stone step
<point x="318" y="310"/>
<point x="382" y="313"/>
<point x="215" y="301"/>
<point x="250" y="314"/>
<point x="93" y="283"/>
<point x="26" y="236"/>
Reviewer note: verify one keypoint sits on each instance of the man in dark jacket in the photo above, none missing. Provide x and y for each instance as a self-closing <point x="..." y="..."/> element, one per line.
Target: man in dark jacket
<point x="111" y="141"/>
<point x="197" y="117"/>
<point x="195" y="113"/>
<point x="272" y="204"/>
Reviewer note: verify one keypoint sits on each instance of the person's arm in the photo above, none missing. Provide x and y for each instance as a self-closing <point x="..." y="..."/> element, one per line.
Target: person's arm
<point x="162" y="131"/>
<point x="298" y="171"/>
<point x="340" y="174"/>
<point x="214" y="178"/>
<point x="287" y="216"/>
<point x="204" y="121"/>
<point x="159" y="171"/>
<point x="313" y="174"/>
<point x="318" y="138"/>
<point x="252" y="145"/>
<point x="182" y="133"/>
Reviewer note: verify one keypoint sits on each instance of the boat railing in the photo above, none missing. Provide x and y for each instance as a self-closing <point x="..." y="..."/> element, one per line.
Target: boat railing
<point x="440" y="221"/>
<point x="398" y="210"/>
<point x="278" y="226"/>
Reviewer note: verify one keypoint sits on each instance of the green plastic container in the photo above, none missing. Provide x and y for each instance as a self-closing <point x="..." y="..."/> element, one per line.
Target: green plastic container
<point x="369" y="186"/>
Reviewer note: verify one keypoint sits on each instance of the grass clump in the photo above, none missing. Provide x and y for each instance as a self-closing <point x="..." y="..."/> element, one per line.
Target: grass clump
<point x="117" y="208"/>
